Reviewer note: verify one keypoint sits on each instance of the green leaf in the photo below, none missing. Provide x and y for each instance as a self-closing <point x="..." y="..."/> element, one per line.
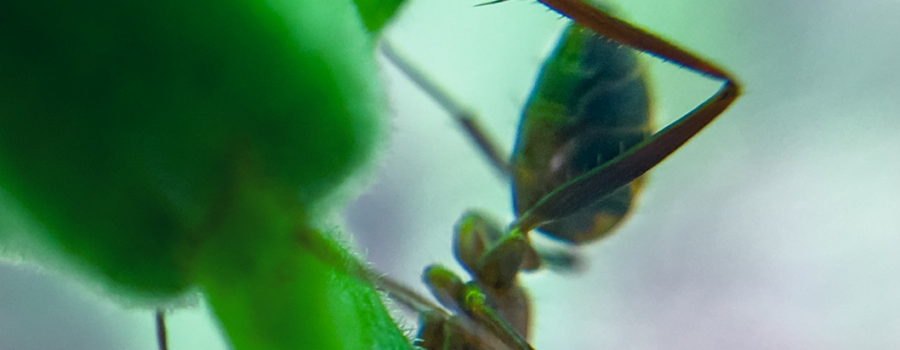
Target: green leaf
<point x="121" y="122"/>
<point x="377" y="13"/>
<point x="160" y="143"/>
<point x="287" y="286"/>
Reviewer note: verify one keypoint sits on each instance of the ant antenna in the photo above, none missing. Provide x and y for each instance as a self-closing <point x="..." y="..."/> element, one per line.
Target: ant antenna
<point x="489" y="3"/>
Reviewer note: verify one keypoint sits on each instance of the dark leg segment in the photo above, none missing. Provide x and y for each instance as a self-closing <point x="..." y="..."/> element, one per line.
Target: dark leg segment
<point x="162" y="340"/>
<point x="460" y="114"/>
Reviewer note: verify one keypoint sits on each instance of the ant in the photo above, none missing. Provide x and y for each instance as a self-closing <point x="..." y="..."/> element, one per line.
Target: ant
<point x="584" y="142"/>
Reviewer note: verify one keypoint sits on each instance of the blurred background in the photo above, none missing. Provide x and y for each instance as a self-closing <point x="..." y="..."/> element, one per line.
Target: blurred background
<point x="777" y="227"/>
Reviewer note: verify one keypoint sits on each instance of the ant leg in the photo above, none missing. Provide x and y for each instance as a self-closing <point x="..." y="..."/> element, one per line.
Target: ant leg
<point x="433" y="331"/>
<point x="603" y="180"/>
<point x="627" y="34"/>
<point x="439" y="330"/>
<point x="475" y="236"/>
<point x="460" y="114"/>
<point x="454" y="333"/>
<point x="489" y="325"/>
<point x="162" y="340"/>
<point x="479" y="323"/>
<point x="327" y="252"/>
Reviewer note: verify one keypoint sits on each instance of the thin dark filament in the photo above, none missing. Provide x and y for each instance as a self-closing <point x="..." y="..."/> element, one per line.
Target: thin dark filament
<point x="161" y="336"/>
<point x="460" y="114"/>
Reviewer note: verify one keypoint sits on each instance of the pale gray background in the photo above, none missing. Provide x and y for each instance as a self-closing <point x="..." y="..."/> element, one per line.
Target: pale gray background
<point x="777" y="228"/>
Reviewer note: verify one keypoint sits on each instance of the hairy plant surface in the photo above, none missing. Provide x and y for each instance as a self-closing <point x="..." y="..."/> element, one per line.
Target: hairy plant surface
<point x="173" y="145"/>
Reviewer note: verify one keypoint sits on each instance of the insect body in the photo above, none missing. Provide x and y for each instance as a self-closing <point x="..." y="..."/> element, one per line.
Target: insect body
<point x="584" y="142"/>
<point x="589" y="105"/>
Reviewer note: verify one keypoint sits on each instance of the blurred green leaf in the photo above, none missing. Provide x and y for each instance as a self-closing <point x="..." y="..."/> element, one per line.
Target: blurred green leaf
<point x="156" y="141"/>
<point x="287" y="285"/>
<point x="377" y="13"/>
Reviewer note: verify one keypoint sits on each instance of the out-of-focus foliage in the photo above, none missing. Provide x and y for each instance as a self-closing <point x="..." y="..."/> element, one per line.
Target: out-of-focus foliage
<point x="174" y="144"/>
<point x="377" y="13"/>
